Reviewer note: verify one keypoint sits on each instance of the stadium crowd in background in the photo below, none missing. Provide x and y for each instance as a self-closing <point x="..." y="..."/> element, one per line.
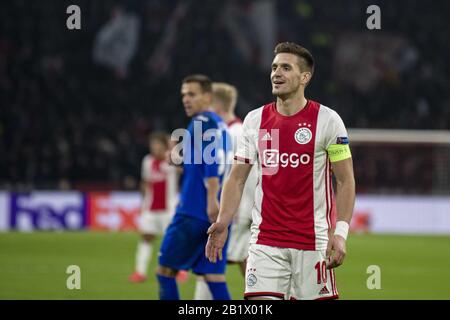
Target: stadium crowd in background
<point x="69" y="119"/>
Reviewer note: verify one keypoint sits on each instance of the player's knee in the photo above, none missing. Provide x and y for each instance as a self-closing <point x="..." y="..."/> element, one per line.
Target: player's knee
<point x="148" y="237"/>
<point x="166" y="272"/>
<point x="215" y="277"/>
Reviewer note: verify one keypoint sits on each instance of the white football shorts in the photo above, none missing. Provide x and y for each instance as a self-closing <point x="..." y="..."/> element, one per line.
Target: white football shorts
<point x="154" y="223"/>
<point x="289" y="274"/>
<point x="239" y="242"/>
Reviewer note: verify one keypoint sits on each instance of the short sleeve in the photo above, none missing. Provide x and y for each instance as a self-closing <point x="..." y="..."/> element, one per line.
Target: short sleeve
<point x="145" y="169"/>
<point x="336" y="139"/>
<point x="246" y="150"/>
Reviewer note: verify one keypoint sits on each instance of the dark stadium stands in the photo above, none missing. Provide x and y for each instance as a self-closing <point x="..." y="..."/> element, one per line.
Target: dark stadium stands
<point x="67" y="121"/>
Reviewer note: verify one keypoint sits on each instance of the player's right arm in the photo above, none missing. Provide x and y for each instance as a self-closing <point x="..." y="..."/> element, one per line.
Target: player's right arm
<point x="143" y="188"/>
<point x="229" y="204"/>
<point x="212" y="204"/>
<point x="246" y="155"/>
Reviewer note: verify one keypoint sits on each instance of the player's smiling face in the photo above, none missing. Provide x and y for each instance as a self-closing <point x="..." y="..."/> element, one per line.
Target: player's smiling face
<point x="194" y="99"/>
<point x="285" y="75"/>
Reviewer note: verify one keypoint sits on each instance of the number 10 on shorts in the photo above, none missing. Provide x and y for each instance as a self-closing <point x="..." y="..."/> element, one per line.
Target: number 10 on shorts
<point x="321" y="268"/>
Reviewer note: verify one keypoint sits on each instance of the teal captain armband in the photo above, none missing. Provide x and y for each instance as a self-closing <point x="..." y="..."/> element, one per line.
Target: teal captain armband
<point x="338" y="152"/>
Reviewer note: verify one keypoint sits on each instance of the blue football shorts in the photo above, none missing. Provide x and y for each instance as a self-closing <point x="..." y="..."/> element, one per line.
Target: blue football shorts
<point x="183" y="247"/>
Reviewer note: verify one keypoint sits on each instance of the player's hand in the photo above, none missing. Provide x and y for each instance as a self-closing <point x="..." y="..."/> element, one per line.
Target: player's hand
<point x="218" y="234"/>
<point x="213" y="209"/>
<point x="336" y="251"/>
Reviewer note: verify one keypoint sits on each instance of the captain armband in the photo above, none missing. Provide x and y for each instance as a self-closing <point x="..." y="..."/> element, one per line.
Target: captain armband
<point x="338" y="152"/>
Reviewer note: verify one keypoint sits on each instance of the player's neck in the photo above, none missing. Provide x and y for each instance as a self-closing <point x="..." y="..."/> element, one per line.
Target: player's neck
<point x="227" y="118"/>
<point x="288" y="106"/>
<point x="159" y="157"/>
<point x="203" y="109"/>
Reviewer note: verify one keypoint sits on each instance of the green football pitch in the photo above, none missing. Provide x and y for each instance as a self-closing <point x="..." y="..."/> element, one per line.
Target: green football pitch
<point x="34" y="265"/>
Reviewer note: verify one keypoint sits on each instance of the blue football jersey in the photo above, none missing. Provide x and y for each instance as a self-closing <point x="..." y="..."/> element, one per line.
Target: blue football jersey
<point x="207" y="151"/>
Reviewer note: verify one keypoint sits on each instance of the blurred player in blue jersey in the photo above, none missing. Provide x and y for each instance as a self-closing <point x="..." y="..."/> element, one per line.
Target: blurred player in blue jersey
<point x="206" y="145"/>
<point x="224" y="103"/>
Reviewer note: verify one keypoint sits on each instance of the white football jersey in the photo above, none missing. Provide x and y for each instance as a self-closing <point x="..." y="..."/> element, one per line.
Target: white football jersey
<point x="293" y="199"/>
<point x="161" y="185"/>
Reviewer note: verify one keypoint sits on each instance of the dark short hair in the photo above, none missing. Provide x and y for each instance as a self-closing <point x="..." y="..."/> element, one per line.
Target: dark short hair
<point x="204" y="81"/>
<point x="159" y="136"/>
<point x="305" y="57"/>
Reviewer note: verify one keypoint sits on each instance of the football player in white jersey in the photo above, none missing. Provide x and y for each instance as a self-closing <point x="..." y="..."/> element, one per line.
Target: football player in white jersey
<point x="295" y="143"/>
<point x="159" y="188"/>
<point x="224" y="103"/>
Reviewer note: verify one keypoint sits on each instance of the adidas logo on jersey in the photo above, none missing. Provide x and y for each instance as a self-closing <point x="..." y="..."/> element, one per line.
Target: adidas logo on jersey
<point x="324" y="291"/>
<point x="266" y="137"/>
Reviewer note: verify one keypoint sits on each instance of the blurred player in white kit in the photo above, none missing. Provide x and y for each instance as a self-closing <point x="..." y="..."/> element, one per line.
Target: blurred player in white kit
<point x="224" y="103"/>
<point x="159" y="191"/>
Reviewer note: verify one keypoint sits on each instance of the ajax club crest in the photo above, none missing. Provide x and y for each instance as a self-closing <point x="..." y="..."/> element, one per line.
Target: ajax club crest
<point x="251" y="280"/>
<point x="303" y="135"/>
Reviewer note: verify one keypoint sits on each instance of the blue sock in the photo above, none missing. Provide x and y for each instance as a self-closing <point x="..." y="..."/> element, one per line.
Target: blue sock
<point x="168" y="289"/>
<point x="219" y="290"/>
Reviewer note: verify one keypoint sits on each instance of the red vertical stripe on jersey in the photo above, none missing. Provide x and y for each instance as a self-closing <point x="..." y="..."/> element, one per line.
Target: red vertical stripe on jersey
<point x="158" y="187"/>
<point x="287" y="208"/>
<point x="326" y="193"/>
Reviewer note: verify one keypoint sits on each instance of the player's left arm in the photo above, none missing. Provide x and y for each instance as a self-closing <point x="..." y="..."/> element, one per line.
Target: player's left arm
<point x="144" y="178"/>
<point x="345" y="201"/>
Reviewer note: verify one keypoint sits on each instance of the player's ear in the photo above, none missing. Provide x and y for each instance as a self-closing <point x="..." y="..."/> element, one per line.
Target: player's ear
<point x="208" y="97"/>
<point x="305" y="77"/>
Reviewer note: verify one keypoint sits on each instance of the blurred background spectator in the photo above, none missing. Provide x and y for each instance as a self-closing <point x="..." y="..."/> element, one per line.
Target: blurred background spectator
<point x="76" y="106"/>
